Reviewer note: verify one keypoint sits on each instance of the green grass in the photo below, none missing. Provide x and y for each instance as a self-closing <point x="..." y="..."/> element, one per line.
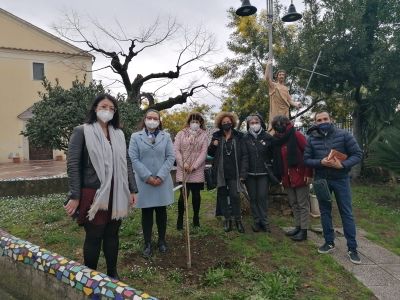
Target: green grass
<point x="248" y="266"/>
<point x="377" y="211"/>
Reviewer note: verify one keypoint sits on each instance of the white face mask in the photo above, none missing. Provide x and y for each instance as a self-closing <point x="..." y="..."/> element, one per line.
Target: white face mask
<point x="105" y="115"/>
<point x="151" y="124"/>
<point x="255" y="127"/>
<point x="194" y="126"/>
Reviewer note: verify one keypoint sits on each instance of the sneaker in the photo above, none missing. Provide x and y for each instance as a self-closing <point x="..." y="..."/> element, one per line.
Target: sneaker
<point x="326" y="248"/>
<point x="354" y="258"/>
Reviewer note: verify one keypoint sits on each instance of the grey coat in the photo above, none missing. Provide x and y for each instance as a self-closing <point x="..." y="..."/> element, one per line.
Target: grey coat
<point x="152" y="160"/>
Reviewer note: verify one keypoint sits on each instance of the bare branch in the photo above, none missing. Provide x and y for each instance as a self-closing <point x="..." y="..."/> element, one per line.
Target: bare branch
<point x="172" y="27"/>
<point x="162" y="86"/>
<point x="180" y="99"/>
<point x="198" y="45"/>
<point x="313" y="103"/>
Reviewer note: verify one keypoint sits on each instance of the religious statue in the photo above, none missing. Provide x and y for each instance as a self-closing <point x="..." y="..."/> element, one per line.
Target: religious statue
<point x="279" y="97"/>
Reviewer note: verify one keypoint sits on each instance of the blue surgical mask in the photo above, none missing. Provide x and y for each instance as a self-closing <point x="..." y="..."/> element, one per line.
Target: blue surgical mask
<point x="325" y="127"/>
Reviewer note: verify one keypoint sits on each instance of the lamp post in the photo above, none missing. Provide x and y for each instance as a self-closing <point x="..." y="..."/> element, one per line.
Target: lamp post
<point x="247" y="9"/>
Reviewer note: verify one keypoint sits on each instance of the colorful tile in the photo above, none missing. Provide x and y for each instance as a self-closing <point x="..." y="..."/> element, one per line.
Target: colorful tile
<point x="91" y="282"/>
<point x="87" y="291"/>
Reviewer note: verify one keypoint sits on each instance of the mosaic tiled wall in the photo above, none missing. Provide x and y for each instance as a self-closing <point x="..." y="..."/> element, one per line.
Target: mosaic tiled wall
<point x="94" y="284"/>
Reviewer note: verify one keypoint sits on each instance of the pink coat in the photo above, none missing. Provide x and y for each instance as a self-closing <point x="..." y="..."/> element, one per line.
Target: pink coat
<point x="191" y="148"/>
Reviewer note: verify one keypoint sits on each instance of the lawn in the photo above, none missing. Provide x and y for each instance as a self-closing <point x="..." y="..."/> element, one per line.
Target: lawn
<point x="224" y="265"/>
<point x="377" y="211"/>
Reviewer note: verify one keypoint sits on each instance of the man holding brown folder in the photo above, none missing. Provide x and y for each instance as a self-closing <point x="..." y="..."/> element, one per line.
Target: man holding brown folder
<point x="332" y="153"/>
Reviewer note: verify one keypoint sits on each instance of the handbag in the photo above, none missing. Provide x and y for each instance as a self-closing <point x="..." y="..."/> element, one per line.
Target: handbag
<point x="210" y="178"/>
<point x="321" y="190"/>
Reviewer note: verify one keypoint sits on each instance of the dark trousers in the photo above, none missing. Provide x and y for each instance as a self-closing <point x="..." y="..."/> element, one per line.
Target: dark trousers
<point x="230" y="208"/>
<point x="196" y="200"/>
<point x="342" y="191"/>
<point x="147" y="222"/>
<point x="95" y="235"/>
<point x="257" y="187"/>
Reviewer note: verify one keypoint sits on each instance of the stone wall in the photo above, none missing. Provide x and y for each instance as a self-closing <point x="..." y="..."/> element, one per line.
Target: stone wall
<point x="33" y="186"/>
<point x="31" y="272"/>
<point x="39" y="185"/>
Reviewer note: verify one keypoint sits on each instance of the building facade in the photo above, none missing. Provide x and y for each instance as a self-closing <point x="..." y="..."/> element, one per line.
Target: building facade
<point x="27" y="55"/>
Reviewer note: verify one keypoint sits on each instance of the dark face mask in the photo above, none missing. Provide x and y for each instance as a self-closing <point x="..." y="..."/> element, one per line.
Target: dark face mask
<point x="280" y="128"/>
<point x="325" y="127"/>
<point x="227" y="127"/>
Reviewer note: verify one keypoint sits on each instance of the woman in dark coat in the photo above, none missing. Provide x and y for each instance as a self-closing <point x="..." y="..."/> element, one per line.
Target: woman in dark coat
<point x="289" y="145"/>
<point x="230" y="167"/>
<point x="101" y="181"/>
<point x="259" y="150"/>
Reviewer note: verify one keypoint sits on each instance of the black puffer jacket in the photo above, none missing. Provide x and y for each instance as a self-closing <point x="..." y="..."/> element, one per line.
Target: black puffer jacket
<point x="81" y="173"/>
<point x="259" y="151"/>
<point x="319" y="146"/>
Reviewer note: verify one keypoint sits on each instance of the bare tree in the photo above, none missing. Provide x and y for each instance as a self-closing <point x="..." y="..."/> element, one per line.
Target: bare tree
<point x="194" y="46"/>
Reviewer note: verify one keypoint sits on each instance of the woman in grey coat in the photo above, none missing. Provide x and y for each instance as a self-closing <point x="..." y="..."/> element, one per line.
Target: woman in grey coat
<point x="152" y="154"/>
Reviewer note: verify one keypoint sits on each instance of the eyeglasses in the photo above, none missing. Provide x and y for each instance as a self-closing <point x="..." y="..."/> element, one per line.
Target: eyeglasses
<point x="105" y="107"/>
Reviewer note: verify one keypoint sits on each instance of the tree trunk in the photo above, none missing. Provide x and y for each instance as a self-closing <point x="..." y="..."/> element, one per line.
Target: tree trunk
<point x="357" y="132"/>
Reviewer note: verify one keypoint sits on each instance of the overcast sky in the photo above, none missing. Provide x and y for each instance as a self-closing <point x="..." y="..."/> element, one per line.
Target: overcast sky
<point x="134" y="15"/>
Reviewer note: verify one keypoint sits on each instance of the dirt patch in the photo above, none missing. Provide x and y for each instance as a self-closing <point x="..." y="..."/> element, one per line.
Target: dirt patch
<point x="207" y="252"/>
<point x="389" y="201"/>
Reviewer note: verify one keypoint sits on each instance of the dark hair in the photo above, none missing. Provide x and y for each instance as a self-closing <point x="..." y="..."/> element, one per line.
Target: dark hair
<point x="198" y="117"/>
<point x="280" y="119"/>
<point x="143" y="125"/>
<point x="321" y="112"/>
<point x="92" y="117"/>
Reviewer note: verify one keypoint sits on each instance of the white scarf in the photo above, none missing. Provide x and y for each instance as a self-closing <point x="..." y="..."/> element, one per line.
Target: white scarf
<point x="108" y="161"/>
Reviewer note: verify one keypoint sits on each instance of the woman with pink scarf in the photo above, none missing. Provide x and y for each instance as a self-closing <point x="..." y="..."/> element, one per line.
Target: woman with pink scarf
<point x="191" y="151"/>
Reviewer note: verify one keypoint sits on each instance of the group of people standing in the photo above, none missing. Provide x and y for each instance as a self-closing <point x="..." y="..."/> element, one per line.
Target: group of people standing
<point x="106" y="179"/>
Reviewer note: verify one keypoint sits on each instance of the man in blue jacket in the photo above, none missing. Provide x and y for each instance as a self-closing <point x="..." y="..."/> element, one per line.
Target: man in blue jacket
<point x="323" y="137"/>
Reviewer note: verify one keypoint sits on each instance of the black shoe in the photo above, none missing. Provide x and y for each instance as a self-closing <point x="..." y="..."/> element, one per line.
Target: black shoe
<point x="354" y="258"/>
<point x="300" y="236"/>
<point x="227" y="225"/>
<point x="326" y="248"/>
<point x="239" y="226"/>
<point x="147" y="251"/>
<point x="179" y="223"/>
<point x="265" y="227"/>
<point x="113" y="274"/>
<point x="162" y="247"/>
<point x="196" y="222"/>
<point x="293" y="232"/>
<point x="256" y="227"/>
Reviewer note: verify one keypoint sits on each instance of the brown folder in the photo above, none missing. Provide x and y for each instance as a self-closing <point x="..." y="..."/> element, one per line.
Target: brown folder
<point x="337" y="154"/>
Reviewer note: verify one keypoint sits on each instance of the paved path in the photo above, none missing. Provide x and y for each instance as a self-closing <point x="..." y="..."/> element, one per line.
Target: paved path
<point x="379" y="269"/>
<point x="32" y="169"/>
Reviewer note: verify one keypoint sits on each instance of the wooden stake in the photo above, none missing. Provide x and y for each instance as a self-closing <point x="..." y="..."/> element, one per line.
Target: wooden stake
<point x="187" y="232"/>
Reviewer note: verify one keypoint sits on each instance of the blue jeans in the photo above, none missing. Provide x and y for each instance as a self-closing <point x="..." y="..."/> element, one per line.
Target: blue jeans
<point x="342" y="191"/>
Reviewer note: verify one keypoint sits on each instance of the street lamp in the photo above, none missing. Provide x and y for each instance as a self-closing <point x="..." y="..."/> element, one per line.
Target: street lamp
<point x="247" y="9"/>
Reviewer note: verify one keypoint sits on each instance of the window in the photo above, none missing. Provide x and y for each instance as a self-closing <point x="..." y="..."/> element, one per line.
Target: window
<point x="38" y="71"/>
